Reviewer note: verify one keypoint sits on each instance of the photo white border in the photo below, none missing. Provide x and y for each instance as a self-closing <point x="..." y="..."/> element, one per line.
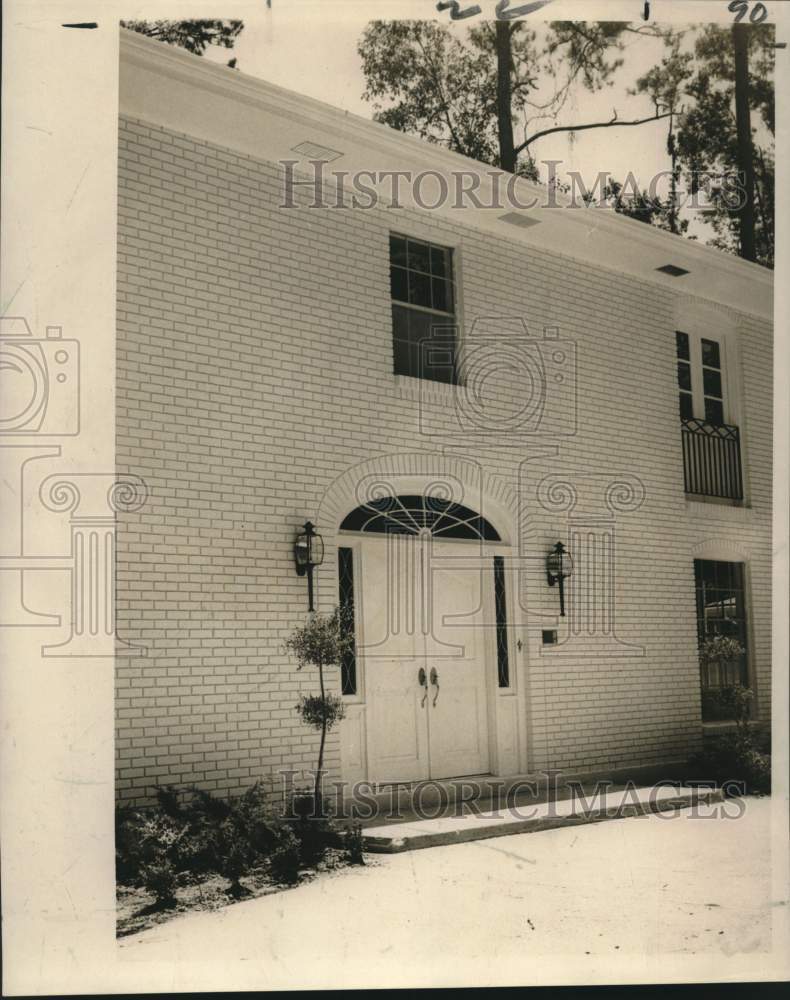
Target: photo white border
<point x="59" y="160"/>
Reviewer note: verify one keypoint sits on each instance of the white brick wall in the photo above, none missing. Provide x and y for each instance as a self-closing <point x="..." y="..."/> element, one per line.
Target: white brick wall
<point x="255" y="367"/>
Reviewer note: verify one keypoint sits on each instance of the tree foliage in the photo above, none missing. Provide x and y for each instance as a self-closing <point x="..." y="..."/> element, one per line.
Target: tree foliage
<point x="421" y="78"/>
<point x="700" y="85"/>
<point x="628" y="199"/>
<point x="448" y="88"/>
<point x="194" y="36"/>
<point x="321" y="642"/>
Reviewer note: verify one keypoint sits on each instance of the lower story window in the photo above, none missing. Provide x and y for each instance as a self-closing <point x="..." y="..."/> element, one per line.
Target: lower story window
<point x="721" y="613"/>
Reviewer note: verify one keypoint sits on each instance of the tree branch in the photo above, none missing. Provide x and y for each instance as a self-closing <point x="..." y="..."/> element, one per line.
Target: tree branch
<point x="445" y="109"/>
<point x="615" y="121"/>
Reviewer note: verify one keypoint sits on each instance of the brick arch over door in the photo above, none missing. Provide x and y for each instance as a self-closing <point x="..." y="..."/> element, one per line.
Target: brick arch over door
<point x="454" y="480"/>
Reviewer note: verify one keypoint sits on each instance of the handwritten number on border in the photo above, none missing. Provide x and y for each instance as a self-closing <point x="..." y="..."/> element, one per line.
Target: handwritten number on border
<point x="757" y="14"/>
<point x="456" y="14"/>
<point x="503" y="10"/>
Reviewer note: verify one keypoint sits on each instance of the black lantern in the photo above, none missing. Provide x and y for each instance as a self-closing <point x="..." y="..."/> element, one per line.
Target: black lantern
<point x="308" y="552"/>
<point x="559" y="567"/>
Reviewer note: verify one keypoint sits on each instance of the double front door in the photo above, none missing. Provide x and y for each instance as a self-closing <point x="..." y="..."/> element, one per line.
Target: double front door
<point x="426" y="612"/>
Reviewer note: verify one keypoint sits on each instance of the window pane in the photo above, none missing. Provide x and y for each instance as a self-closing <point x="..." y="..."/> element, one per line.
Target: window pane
<point x="438" y="362"/>
<point x="442" y="295"/>
<point x="710" y="353"/>
<point x="682" y="342"/>
<point x="419" y="289"/>
<point x="400" y="341"/>
<point x="714" y="412"/>
<point x="684" y="376"/>
<point x="419" y="256"/>
<point x="398" y="250"/>
<point x="399" y="284"/>
<point x="422" y="349"/>
<point x="436" y="349"/>
<point x="686" y="406"/>
<point x="440" y="262"/>
<point x="712" y="382"/>
<point x="404" y="357"/>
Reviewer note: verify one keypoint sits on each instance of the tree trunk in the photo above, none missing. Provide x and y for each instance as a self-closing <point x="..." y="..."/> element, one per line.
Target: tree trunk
<point x="740" y="40"/>
<point x="318" y="805"/>
<point x="507" y="154"/>
<point x="673" y="187"/>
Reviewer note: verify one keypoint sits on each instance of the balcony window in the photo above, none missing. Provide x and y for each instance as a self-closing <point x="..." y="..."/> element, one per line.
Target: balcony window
<point x="711" y="445"/>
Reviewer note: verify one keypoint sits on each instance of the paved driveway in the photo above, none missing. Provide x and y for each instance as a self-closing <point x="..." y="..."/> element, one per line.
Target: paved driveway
<point x="644" y="898"/>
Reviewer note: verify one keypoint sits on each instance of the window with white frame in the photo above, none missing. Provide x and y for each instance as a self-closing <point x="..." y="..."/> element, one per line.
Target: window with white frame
<point x="701" y="378"/>
<point x="423" y="309"/>
<point x="721" y="612"/>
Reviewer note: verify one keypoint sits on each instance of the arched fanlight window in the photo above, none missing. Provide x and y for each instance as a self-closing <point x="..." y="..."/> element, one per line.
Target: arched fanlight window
<point x="412" y="514"/>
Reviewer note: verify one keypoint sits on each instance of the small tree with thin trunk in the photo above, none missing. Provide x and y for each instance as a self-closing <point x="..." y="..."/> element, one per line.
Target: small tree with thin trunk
<point x="323" y="641"/>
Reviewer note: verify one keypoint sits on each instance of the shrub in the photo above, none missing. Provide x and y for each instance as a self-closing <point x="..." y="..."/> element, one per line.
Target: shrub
<point x="734" y="755"/>
<point x="254" y="820"/>
<point x="147" y="852"/>
<point x="127" y="867"/>
<point x="192" y="831"/>
<point x="228" y="836"/>
<point x="729" y="757"/>
<point x="159" y="878"/>
<point x="353" y="842"/>
<point x="313" y="835"/>
<point x="285" y="860"/>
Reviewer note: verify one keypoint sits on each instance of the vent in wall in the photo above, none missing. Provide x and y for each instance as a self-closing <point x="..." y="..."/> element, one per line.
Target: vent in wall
<point x="314" y="151"/>
<point x="517" y="219"/>
<point x="672" y="269"/>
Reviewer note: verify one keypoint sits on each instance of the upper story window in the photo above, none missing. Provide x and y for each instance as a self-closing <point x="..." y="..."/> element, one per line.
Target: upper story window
<point x="711" y="445"/>
<point x="700" y="378"/>
<point x="423" y="309"/>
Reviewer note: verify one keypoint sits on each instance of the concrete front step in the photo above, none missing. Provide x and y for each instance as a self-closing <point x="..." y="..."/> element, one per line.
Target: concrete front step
<point x="417" y="834"/>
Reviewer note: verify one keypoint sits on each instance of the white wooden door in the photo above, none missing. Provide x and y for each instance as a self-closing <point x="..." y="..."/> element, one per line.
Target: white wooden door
<point x="425" y="645"/>
<point x="458" y="644"/>
<point x="393" y="648"/>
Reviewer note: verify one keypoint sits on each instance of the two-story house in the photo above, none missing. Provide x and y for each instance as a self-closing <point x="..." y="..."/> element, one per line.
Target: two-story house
<point x="446" y="389"/>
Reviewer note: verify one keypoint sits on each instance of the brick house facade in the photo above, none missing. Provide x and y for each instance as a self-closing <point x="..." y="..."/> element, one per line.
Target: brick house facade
<point x="256" y="390"/>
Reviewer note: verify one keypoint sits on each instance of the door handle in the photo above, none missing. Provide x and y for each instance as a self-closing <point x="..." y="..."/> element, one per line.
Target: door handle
<point x="422" y="678"/>
<point x="435" y="680"/>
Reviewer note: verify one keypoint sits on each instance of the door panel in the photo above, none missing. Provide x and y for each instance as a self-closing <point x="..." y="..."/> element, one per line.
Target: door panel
<point x="393" y="647"/>
<point x="456" y="649"/>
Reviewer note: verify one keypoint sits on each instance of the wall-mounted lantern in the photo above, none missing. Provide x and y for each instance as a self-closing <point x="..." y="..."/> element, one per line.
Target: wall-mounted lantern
<point x="308" y="552"/>
<point x="559" y="567"/>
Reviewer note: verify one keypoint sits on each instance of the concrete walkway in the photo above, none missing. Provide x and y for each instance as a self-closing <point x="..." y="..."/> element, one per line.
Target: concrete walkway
<point x="392" y="838"/>
<point x="580" y="901"/>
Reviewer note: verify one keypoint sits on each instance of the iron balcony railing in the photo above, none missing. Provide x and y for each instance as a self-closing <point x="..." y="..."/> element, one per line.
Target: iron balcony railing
<point x="712" y="459"/>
